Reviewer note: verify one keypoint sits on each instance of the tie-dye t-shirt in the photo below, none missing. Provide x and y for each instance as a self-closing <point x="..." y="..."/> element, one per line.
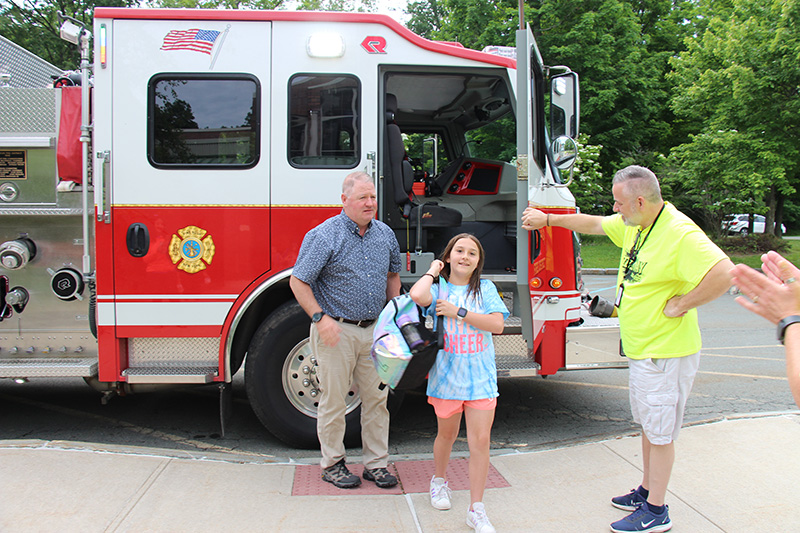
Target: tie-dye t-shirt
<point x="465" y="369"/>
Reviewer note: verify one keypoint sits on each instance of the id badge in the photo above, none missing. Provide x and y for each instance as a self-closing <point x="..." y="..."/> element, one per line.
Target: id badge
<point x="619" y="295"/>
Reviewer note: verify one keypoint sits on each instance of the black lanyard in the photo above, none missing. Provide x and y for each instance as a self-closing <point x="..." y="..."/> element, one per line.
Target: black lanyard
<point x="634" y="251"/>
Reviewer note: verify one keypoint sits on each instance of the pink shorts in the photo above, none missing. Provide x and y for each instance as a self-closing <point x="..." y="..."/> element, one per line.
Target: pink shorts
<point x="448" y="408"/>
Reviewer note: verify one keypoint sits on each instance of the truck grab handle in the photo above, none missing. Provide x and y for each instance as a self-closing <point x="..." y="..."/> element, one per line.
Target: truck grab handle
<point x="100" y="199"/>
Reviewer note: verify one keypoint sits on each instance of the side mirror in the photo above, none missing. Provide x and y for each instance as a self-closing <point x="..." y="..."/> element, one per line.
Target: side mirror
<point x="564" y="152"/>
<point x="564" y="105"/>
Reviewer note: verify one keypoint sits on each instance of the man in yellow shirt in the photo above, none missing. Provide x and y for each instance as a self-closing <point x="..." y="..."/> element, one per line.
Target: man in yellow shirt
<point x="668" y="267"/>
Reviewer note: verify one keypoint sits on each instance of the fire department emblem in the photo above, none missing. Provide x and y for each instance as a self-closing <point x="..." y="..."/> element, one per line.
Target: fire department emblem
<point x="190" y="251"/>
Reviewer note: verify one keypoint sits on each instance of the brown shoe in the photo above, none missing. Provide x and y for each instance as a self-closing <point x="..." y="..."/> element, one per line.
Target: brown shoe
<point x="340" y="476"/>
<point x="381" y="477"/>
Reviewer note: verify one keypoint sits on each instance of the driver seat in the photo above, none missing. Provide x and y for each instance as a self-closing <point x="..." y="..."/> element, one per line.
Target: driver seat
<point x="401" y="180"/>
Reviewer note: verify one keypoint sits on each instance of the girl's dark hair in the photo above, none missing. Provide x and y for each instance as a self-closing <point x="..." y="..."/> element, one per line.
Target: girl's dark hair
<point x="474" y="287"/>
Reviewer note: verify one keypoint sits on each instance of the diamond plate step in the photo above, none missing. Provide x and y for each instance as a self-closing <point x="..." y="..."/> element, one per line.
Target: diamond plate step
<point x="41" y="367"/>
<point x="165" y="374"/>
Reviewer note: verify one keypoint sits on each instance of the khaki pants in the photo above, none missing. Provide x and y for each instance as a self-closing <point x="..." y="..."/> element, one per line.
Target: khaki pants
<point x="339" y="366"/>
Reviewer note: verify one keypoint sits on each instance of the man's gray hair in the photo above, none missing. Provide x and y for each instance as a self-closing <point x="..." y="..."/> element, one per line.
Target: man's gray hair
<point x="640" y="181"/>
<point x="351" y="179"/>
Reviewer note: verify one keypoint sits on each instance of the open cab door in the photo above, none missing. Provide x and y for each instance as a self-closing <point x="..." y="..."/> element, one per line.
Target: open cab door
<point x="547" y="259"/>
<point x="559" y="332"/>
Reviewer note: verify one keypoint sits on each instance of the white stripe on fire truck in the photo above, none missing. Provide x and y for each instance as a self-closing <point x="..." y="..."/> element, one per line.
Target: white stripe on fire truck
<point x="167" y="297"/>
<point x="248" y="206"/>
<point x="188" y="313"/>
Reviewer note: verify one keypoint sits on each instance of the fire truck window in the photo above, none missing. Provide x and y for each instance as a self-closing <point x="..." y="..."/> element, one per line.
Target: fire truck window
<point x="203" y="121"/>
<point x="324" y="117"/>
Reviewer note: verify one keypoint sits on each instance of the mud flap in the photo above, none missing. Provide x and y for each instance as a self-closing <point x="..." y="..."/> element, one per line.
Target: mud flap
<point x="225" y="406"/>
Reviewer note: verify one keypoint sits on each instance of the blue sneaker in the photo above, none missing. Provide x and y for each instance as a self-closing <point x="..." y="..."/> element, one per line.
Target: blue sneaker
<point x="643" y="520"/>
<point x="628" y="502"/>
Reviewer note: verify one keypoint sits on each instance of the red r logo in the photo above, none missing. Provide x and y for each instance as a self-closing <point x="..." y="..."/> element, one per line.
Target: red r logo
<point x="374" y="44"/>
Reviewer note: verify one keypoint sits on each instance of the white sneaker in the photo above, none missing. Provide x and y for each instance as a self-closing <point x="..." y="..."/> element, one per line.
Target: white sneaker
<point x="477" y="519"/>
<point x="440" y="494"/>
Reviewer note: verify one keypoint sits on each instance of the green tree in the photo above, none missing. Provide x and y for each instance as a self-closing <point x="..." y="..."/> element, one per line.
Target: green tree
<point x="591" y="190"/>
<point x="427" y="17"/>
<point x="620" y="48"/>
<point x="739" y="83"/>
<point x="622" y="89"/>
<point x="33" y="25"/>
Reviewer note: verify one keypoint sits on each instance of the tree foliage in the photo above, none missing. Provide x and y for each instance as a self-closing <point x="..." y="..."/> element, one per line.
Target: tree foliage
<point x="33" y="25"/>
<point x="739" y="82"/>
<point x="592" y="192"/>
<point x="710" y="83"/>
<point x="620" y="49"/>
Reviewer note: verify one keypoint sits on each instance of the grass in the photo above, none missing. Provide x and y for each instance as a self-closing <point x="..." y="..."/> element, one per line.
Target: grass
<point x="792" y="253"/>
<point x="599" y="252"/>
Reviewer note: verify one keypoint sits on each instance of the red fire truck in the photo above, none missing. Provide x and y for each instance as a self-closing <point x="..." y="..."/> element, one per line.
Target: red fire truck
<point x="213" y="140"/>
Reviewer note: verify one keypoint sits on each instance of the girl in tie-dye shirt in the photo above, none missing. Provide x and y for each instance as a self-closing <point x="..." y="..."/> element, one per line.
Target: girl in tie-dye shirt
<point x="464" y="378"/>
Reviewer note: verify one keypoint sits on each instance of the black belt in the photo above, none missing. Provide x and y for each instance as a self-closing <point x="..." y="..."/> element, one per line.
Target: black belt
<point x="359" y="323"/>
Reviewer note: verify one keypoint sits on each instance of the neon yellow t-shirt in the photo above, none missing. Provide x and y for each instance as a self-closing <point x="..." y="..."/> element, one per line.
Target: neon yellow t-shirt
<point x="672" y="261"/>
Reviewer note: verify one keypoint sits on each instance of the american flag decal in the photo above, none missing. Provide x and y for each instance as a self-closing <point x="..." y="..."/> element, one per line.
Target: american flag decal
<point x="194" y="39"/>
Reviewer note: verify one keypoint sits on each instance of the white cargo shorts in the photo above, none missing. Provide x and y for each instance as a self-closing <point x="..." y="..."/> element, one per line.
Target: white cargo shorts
<point x="659" y="389"/>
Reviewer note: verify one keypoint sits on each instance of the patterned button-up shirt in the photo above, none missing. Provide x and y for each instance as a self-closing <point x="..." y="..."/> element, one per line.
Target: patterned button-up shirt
<point x="348" y="272"/>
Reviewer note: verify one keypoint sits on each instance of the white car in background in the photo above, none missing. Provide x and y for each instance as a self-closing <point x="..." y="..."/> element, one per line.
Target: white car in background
<point x="740" y="224"/>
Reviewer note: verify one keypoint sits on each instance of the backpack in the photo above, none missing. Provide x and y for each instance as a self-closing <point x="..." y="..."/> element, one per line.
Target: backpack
<point x="403" y="349"/>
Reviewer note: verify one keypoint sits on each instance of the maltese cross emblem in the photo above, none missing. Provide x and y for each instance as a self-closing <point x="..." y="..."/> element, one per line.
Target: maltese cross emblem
<point x="190" y="251"/>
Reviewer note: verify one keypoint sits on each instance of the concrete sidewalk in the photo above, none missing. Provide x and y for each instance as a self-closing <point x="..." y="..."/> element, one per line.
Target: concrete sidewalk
<point x="735" y="475"/>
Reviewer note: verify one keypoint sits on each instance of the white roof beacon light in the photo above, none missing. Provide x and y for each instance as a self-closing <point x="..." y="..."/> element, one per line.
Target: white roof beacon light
<point x="325" y="45"/>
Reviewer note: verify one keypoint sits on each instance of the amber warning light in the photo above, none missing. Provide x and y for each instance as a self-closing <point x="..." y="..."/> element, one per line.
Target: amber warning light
<point x="103" y="45"/>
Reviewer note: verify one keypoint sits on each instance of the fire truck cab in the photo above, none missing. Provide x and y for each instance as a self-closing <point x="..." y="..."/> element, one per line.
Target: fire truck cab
<point x="219" y="138"/>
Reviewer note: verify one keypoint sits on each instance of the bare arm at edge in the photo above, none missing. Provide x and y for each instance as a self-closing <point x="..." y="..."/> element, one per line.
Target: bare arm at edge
<point x="533" y="218"/>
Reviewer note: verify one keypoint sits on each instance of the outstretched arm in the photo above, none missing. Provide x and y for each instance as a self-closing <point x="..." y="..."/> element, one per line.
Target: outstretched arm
<point x="533" y="218"/>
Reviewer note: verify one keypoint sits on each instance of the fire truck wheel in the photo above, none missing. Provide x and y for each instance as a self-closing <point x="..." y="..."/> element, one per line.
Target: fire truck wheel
<point x="282" y="384"/>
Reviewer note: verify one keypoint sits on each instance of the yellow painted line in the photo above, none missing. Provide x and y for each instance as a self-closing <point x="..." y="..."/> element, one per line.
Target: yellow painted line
<point x="743" y="375"/>
<point x="743" y="357"/>
<point x="625" y="388"/>
<point x="595" y="385"/>
<point x="743" y="347"/>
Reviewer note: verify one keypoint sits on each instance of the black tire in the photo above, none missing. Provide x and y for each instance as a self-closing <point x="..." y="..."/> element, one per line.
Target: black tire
<point x="744" y="232"/>
<point x="279" y="354"/>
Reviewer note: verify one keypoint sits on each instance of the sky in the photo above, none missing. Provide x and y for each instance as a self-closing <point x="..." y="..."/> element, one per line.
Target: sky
<point x="395" y="8"/>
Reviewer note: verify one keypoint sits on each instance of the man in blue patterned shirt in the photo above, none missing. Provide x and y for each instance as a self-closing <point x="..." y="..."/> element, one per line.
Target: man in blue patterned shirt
<point x="347" y="269"/>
